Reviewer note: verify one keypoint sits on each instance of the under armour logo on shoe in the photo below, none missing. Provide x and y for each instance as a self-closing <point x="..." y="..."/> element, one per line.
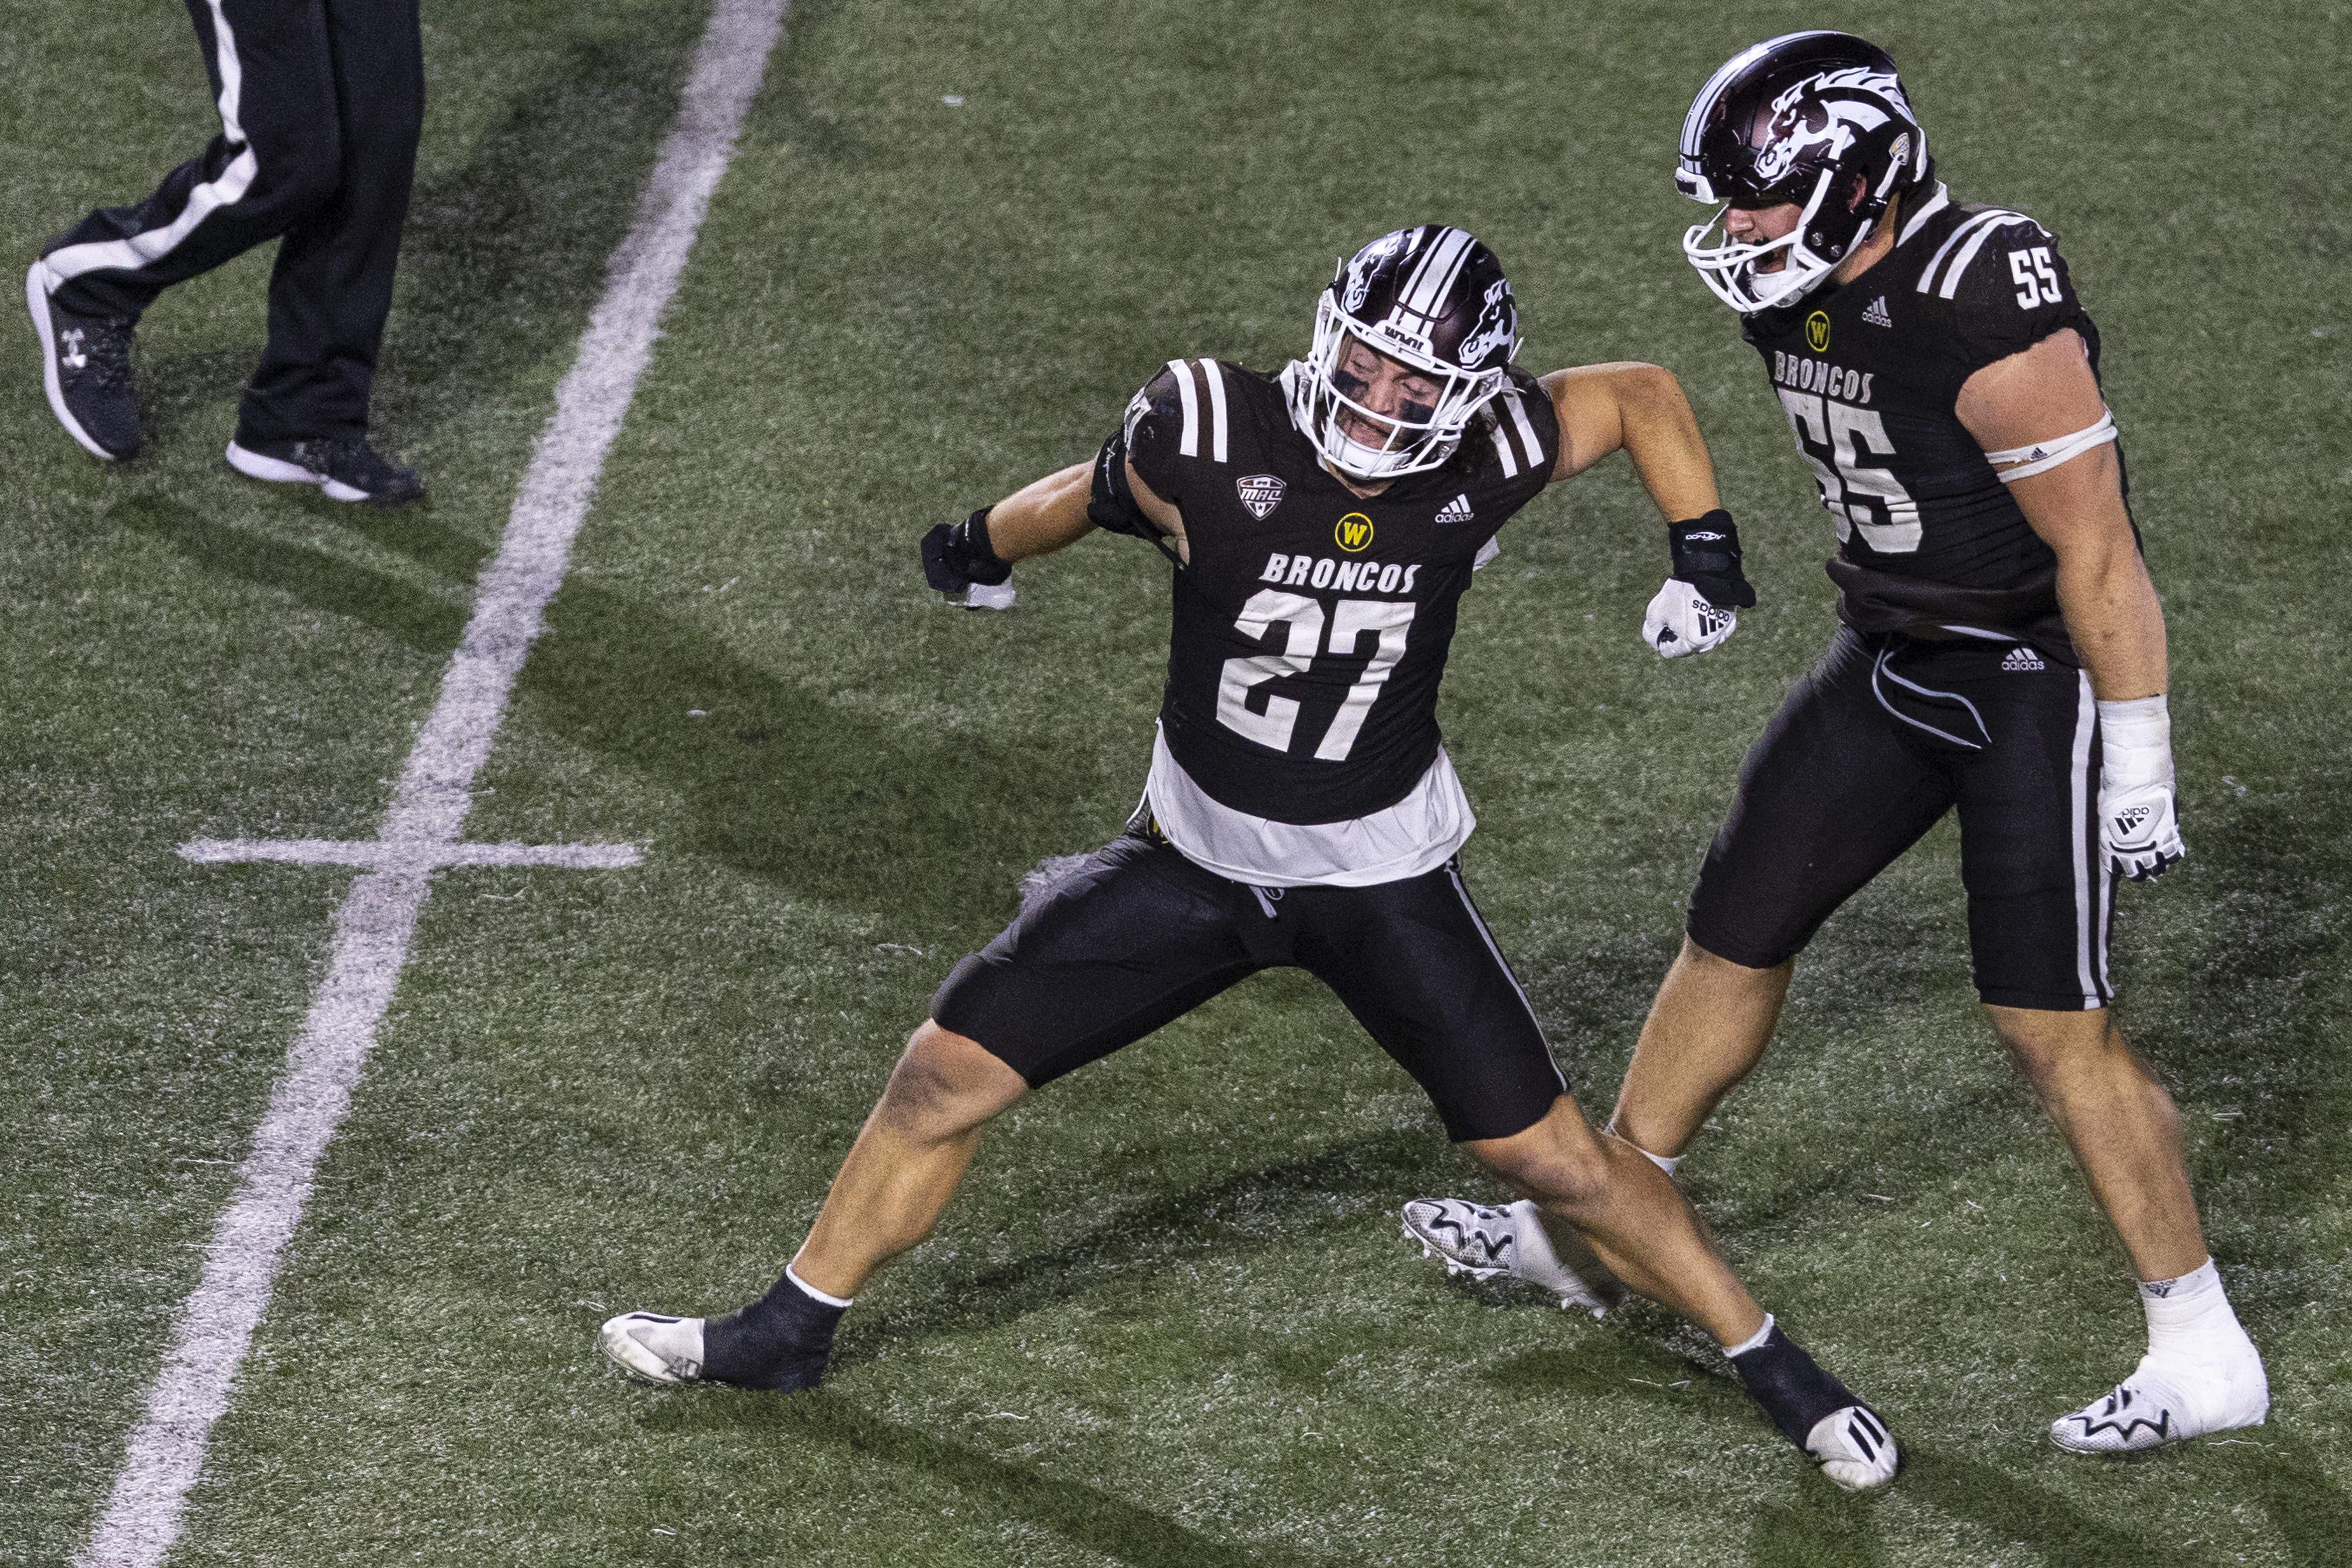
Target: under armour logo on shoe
<point x="2022" y="657"/>
<point x="1876" y="315"/>
<point x="1455" y="511"/>
<point x="73" y="358"/>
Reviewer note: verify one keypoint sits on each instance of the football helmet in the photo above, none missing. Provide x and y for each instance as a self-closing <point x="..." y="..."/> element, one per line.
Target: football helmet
<point x="1432" y="298"/>
<point x="1801" y="118"/>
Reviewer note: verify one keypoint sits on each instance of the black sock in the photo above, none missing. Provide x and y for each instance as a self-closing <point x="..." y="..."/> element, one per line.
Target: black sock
<point x="779" y="1341"/>
<point x="1794" y="1390"/>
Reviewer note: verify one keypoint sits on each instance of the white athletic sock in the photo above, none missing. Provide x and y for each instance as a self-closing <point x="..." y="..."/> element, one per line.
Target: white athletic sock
<point x="2189" y="1319"/>
<point x="1752" y="1341"/>
<point x="814" y="1294"/>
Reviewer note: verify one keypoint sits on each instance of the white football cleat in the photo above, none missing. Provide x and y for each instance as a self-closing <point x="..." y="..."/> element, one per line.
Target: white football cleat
<point x="2168" y="1402"/>
<point x="1854" y="1449"/>
<point x="654" y="1348"/>
<point x="1485" y="1242"/>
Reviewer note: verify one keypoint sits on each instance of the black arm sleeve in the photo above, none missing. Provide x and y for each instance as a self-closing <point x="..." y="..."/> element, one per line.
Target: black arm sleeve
<point x="1111" y="504"/>
<point x="1146" y="437"/>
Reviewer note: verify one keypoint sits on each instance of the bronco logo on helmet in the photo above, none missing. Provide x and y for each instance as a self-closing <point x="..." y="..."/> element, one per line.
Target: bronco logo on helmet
<point x="1817" y="119"/>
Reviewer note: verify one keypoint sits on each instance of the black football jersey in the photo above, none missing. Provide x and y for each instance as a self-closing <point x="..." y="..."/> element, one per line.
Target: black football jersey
<point x="1312" y="626"/>
<point x="1869" y="372"/>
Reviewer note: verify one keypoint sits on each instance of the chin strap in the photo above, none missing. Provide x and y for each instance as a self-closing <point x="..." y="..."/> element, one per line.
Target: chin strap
<point x="2043" y="456"/>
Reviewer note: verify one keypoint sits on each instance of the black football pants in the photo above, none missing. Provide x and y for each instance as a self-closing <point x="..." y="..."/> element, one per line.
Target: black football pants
<point x="320" y="103"/>
<point x="1138" y="936"/>
<point x="1869" y="751"/>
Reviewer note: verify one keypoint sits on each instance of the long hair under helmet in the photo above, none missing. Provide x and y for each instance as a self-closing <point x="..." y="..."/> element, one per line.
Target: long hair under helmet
<point x="1807" y="118"/>
<point x="1432" y="298"/>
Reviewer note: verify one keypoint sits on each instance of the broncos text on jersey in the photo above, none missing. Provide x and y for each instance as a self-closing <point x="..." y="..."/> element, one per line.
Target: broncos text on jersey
<point x="1312" y="626"/>
<point x="1869" y="371"/>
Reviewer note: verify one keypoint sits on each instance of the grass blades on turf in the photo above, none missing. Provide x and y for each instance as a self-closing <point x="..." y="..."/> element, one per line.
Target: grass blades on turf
<point x="1169" y="1320"/>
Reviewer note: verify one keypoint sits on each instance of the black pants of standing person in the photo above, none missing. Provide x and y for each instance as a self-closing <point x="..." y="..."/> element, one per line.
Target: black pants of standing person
<point x="320" y="104"/>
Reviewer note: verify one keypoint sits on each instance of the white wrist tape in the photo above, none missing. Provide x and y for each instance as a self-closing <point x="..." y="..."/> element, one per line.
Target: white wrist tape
<point x="2135" y="741"/>
<point x="2043" y="456"/>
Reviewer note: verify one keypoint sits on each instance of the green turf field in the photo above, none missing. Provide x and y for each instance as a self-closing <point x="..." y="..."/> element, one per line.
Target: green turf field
<point x="1170" y="1321"/>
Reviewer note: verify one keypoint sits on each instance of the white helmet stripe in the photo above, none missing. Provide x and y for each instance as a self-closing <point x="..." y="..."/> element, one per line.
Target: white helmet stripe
<point x="1438" y="270"/>
<point x="1421" y="268"/>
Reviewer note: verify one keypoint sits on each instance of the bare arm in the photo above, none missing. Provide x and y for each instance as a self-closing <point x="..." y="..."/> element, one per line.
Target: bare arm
<point x="1640" y="408"/>
<point x="2077" y="508"/>
<point x="1042" y="516"/>
<point x="1047" y="514"/>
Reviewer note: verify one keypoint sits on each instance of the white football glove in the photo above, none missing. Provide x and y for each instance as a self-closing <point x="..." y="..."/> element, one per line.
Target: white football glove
<point x="2137" y="819"/>
<point x="1680" y="621"/>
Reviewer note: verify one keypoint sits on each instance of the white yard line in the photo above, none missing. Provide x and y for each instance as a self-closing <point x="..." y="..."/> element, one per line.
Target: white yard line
<point x="391" y="855"/>
<point x="378" y="917"/>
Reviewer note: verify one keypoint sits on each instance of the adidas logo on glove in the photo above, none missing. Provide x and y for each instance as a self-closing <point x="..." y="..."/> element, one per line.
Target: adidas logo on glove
<point x="2022" y="657"/>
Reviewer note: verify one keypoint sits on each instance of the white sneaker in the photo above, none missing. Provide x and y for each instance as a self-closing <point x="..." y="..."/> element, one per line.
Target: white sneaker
<point x="654" y="1348"/>
<point x="2168" y="1402"/>
<point x="1485" y="1242"/>
<point x="1854" y="1449"/>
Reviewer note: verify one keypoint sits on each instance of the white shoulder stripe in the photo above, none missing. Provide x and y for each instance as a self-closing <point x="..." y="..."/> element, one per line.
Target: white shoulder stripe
<point x="1960" y="232"/>
<point x="1189" y="445"/>
<point x="1526" y="431"/>
<point x="1976" y="243"/>
<point x="1214" y="375"/>
<point x="1968" y="238"/>
<point x="1936" y="204"/>
<point x="1503" y="450"/>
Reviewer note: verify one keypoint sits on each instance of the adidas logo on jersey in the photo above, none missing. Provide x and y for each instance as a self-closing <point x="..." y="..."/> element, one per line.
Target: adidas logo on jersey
<point x="1876" y="315"/>
<point x="1455" y="511"/>
<point x="2022" y="657"/>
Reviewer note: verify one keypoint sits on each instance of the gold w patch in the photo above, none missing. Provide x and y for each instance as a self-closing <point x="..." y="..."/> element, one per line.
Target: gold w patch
<point x="1354" y="532"/>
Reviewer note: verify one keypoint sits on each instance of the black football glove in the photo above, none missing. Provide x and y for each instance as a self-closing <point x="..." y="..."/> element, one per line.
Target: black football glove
<point x="956" y="555"/>
<point x="1706" y="556"/>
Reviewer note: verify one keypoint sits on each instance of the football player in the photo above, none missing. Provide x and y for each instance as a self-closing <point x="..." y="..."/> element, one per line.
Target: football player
<point x="1301" y="810"/>
<point x="2002" y="655"/>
